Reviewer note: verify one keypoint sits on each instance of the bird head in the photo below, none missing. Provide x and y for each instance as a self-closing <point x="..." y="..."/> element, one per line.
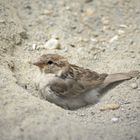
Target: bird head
<point x="51" y="63"/>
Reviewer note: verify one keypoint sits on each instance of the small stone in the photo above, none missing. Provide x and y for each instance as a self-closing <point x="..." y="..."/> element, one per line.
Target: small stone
<point x="106" y="27"/>
<point x="52" y="44"/>
<point x="131" y="42"/>
<point x="89" y="12"/>
<point x="134" y="85"/>
<point x="95" y="57"/>
<point x="37" y="47"/>
<point x="105" y="20"/>
<point x="109" y="107"/>
<point x="82" y="114"/>
<point x="113" y="39"/>
<point x="46" y="12"/>
<point x="93" y="39"/>
<point x="103" y="49"/>
<point x="114" y="119"/>
<point x="85" y="40"/>
<point x="133" y="56"/>
<point x="79" y="49"/>
<point x="96" y="33"/>
<point x="2" y="21"/>
<point x="11" y="65"/>
<point x="17" y="39"/>
<point x="73" y="26"/>
<point x="123" y="26"/>
<point x="92" y="113"/>
<point x="126" y="102"/>
<point x="72" y="45"/>
<point x="65" y="49"/>
<point x="68" y="8"/>
<point x="121" y="32"/>
<point x="34" y="46"/>
<point x="23" y="35"/>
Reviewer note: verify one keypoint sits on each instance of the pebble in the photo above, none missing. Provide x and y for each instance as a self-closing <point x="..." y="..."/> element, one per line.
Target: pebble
<point x="89" y="12"/>
<point x="123" y="26"/>
<point x="52" y="44"/>
<point x="34" y="46"/>
<point x="109" y="107"/>
<point x="113" y="39"/>
<point x="134" y="85"/>
<point x="133" y="56"/>
<point x="68" y="8"/>
<point x="23" y="35"/>
<point x="2" y="21"/>
<point x="82" y="114"/>
<point x="79" y="49"/>
<point x="72" y="45"/>
<point x="46" y="12"/>
<point x="105" y="28"/>
<point x="85" y="40"/>
<point x="103" y="49"/>
<point x="65" y="49"/>
<point x="95" y="57"/>
<point x="121" y="32"/>
<point x="92" y="113"/>
<point x="114" y="119"/>
<point x="105" y="20"/>
<point x="17" y="39"/>
<point x="93" y="39"/>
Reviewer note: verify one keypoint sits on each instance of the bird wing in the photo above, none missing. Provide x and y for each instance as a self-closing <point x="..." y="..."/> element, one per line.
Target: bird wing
<point x="77" y="82"/>
<point x="59" y="87"/>
<point x="66" y="87"/>
<point x="87" y="78"/>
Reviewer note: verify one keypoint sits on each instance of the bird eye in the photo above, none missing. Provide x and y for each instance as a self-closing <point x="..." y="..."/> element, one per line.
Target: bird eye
<point x="50" y="62"/>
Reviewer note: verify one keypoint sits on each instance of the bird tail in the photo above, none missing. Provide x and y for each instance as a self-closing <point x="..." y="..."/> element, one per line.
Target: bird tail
<point x="112" y="78"/>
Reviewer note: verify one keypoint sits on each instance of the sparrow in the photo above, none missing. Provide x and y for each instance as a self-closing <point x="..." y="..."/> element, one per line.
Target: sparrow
<point x="70" y="86"/>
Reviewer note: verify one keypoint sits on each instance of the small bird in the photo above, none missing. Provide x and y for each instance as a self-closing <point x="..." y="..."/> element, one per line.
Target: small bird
<point x="71" y="86"/>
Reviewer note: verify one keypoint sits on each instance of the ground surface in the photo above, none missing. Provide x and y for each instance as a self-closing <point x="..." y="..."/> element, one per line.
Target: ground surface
<point x="103" y="35"/>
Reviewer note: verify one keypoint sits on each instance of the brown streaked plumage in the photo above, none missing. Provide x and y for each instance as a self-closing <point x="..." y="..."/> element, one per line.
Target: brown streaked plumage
<point x="71" y="86"/>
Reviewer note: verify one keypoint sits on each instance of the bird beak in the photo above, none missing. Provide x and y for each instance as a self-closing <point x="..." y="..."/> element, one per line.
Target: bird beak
<point x="39" y="64"/>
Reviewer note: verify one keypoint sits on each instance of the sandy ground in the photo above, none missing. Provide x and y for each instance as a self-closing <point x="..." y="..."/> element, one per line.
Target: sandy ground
<point x="103" y="35"/>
